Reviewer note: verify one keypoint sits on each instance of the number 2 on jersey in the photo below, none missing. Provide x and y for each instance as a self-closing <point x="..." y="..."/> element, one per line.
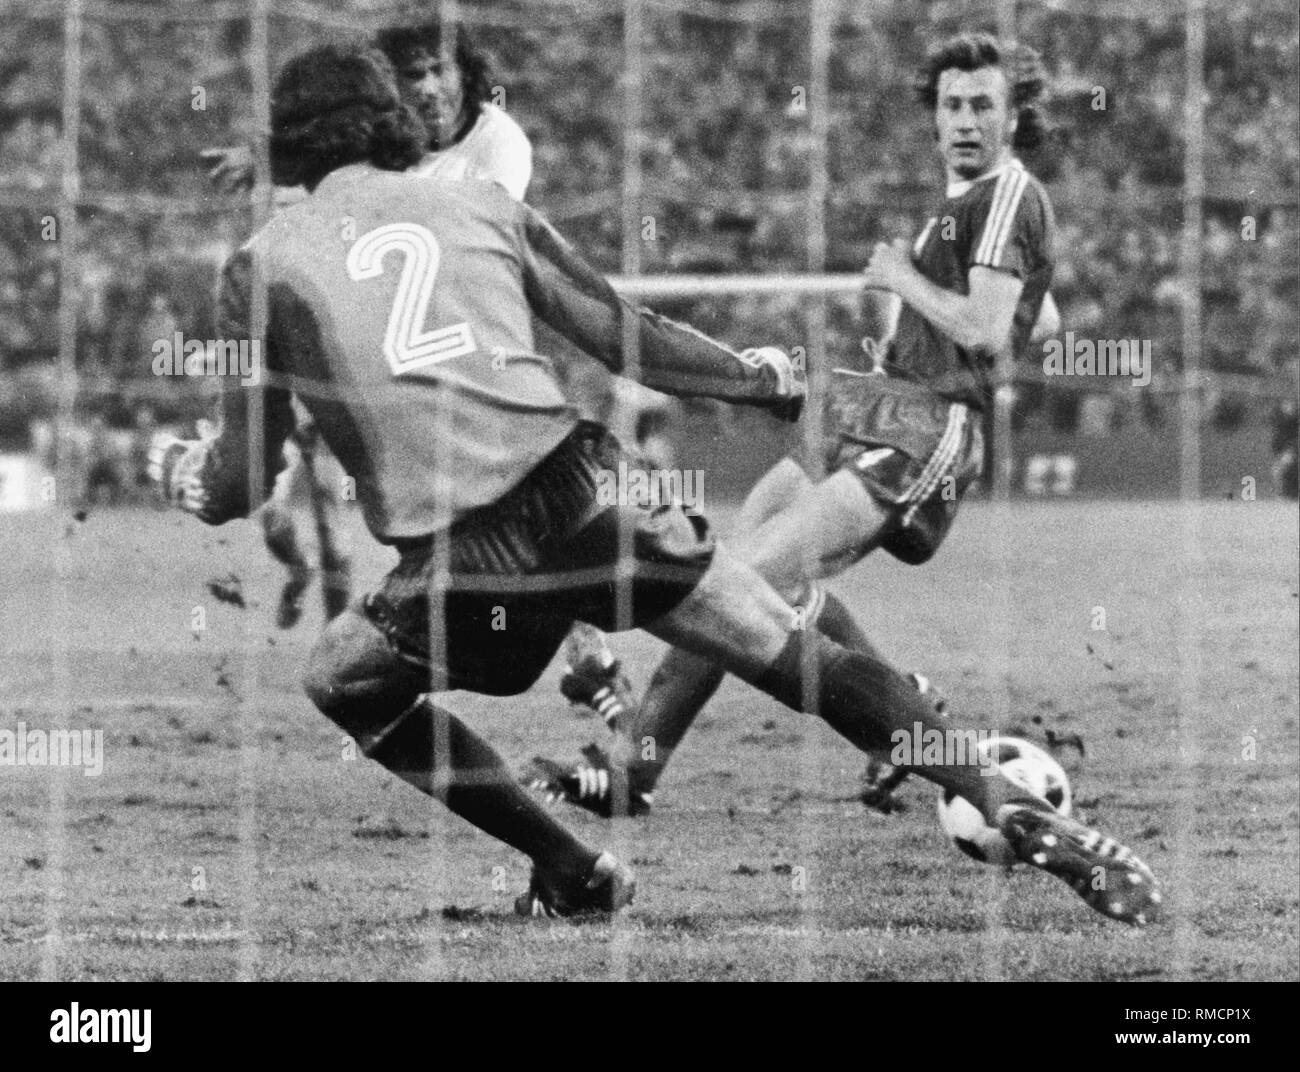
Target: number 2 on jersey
<point x="407" y="345"/>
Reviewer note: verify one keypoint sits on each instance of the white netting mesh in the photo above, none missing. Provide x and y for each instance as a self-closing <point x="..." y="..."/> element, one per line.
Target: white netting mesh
<point x="755" y="239"/>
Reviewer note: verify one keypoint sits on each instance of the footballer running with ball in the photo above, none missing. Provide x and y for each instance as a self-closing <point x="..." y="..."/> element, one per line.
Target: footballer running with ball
<point x="971" y="288"/>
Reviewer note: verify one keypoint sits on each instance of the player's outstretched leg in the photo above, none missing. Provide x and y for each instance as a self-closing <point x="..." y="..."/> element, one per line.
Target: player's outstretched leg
<point x="683" y="683"/>
<point x="784" y="507"/>
<point x="620" y="780"/>
<point x="356" y="680"/>
<point x="735" y="618"/>
<point x="1106" y="874"/>
<point x="881" y="778"/>
<point x="593" y="678"/>
<point x="775" y="490"/>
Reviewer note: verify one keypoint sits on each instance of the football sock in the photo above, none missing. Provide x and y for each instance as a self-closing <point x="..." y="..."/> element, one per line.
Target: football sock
<point x="871" y="704"/>
<point x="680" y="687"/>
<point x="832" y="619"/>
<point x="683" y="683"/>
<point x="439" y="755"/>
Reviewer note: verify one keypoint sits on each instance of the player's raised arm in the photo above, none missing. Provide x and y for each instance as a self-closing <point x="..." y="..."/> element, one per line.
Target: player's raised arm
<point x="224" y="477"/>
<point x="578" y="302"/>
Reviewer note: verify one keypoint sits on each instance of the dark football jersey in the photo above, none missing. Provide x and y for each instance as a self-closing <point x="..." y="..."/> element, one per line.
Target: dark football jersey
<point x="1002" y="221"/>
<point x="398" y="311"/>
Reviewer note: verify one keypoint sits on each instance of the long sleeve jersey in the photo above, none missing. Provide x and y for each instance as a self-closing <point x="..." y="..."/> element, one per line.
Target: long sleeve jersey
<point x="397" y="310"/>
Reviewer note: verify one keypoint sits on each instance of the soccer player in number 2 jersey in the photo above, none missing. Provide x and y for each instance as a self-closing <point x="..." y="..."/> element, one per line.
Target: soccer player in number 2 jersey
<point x="444" y="79"/>
<point x="398" y="311"/>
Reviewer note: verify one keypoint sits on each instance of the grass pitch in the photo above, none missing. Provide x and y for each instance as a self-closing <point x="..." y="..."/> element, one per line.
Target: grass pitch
<point x="232" y="835"/>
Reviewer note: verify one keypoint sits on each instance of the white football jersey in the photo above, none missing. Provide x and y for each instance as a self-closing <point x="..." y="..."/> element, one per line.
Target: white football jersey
<point x="495" y="149"/>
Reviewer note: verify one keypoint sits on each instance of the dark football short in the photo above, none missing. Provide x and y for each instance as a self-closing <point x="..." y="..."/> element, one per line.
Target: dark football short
<point x="487" y="605"/>
<point x="915" y="452"/>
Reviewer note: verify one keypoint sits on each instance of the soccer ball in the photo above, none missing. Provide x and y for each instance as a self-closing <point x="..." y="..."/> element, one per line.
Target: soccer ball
<point x="1025" y="764"/>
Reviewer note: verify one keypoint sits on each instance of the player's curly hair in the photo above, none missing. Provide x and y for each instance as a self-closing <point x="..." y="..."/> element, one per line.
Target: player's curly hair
<point x="1021" y="64"/>
<point x="333" y="106"/>
<point x="399" y="43"/>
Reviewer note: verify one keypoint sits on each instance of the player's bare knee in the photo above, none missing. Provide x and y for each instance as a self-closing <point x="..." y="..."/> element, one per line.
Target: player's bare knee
<point x="780" y="567"/>
<point x="354" y="678"/>
<point x="853" y="510"/>
<point x="774" y="491"/>
<point x="325" y="673"/>
<point x="350" y="649"/>
<point x="780" y="484"/>
<point x="733" y="616"/>
<point x="825" y="529"/>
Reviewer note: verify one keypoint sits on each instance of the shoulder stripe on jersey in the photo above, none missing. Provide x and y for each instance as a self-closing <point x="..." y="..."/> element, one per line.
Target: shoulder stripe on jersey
<point x="1010" y="226"/>
<point x="997" y="209"/>
<point x="1002" y="216"/>
<point x="996" y="217"/>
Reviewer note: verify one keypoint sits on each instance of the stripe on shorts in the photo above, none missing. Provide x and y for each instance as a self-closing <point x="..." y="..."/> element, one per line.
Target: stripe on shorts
<point x="940" y="463"/>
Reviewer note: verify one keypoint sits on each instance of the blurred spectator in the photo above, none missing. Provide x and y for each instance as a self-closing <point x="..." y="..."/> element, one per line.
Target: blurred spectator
<point x="159" y="323"/>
